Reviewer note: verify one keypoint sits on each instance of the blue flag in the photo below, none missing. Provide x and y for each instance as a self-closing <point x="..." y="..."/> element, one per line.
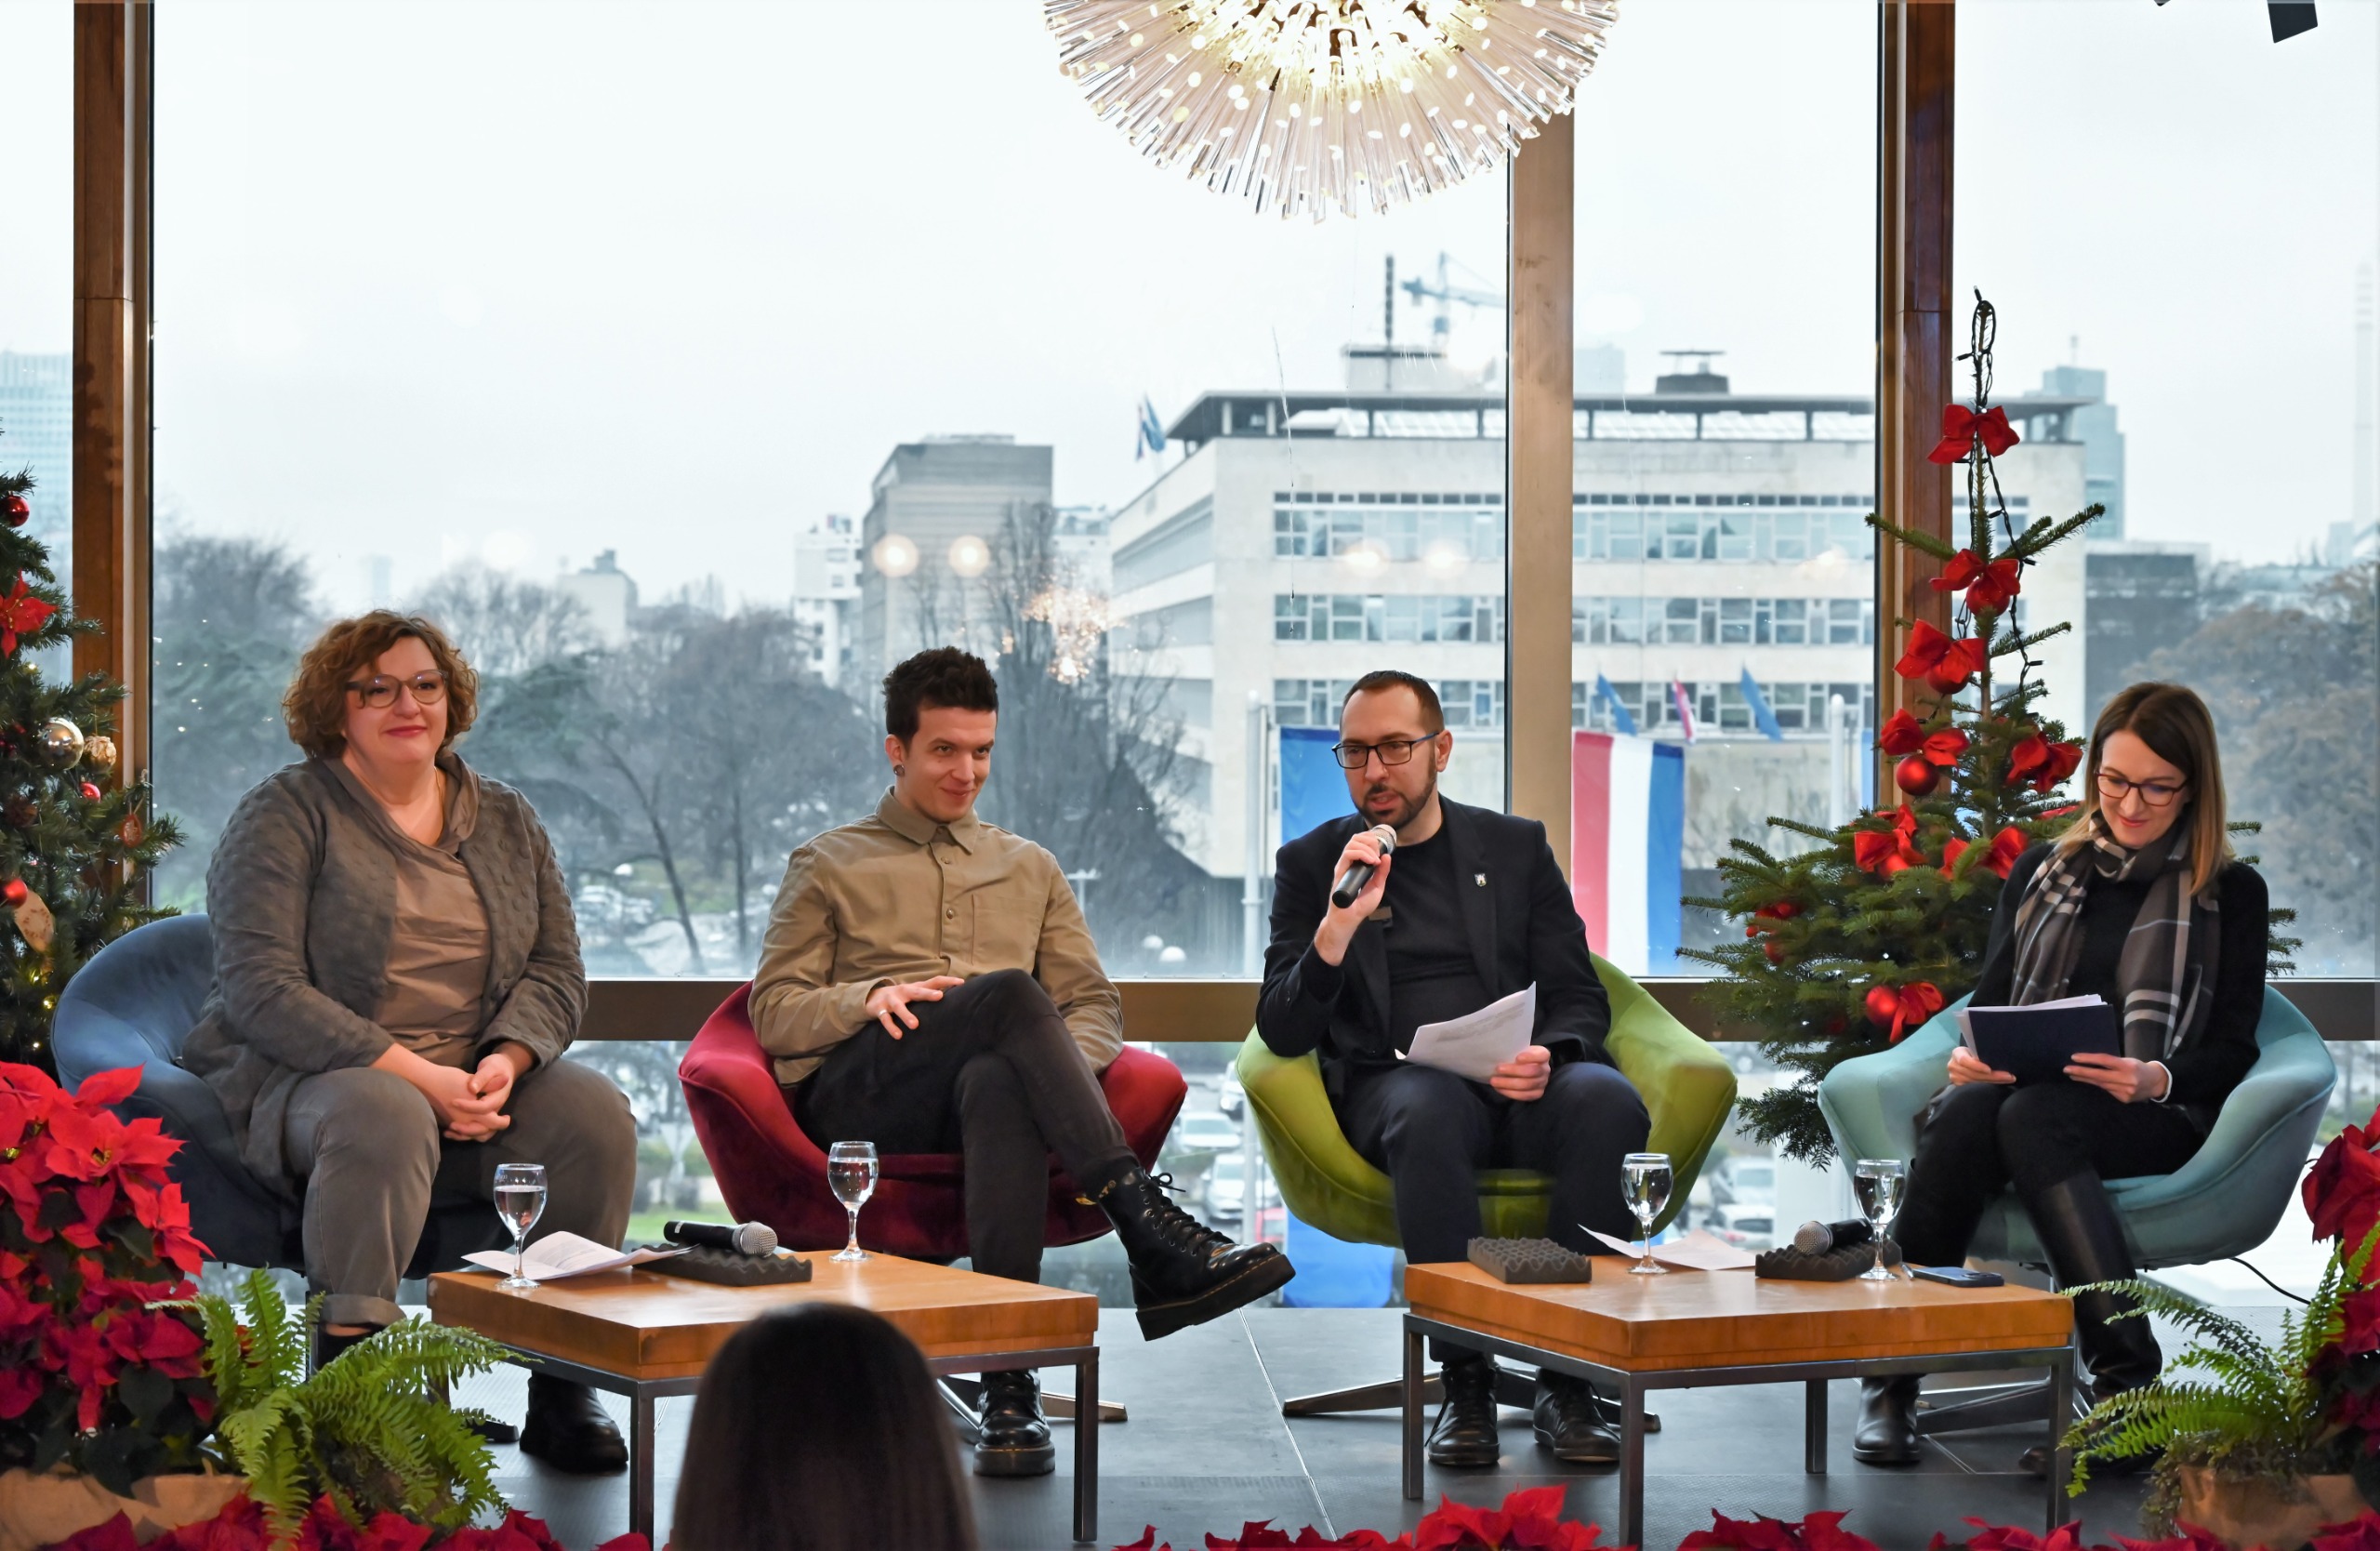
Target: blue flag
<point x="1150" y="435"/>
<point x="1761" y="716"/>
<point x="1619" y="717"/>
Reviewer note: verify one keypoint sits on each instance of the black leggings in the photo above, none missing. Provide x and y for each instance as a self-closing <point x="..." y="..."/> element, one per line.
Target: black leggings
<point x="990" y="1072"/>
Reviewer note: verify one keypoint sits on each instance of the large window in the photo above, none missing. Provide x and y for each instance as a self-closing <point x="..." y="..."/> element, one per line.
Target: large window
<point x="37" y="270"/>
<point x="690" y="402"/>
<point x="1723" y="576"/>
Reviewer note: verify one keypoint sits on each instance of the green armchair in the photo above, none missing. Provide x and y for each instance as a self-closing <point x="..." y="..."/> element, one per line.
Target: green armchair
<point x="1688" y="1087"/>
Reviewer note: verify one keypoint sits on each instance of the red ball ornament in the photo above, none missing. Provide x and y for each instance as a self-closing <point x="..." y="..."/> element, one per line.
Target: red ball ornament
<point x="1775" y="949"/>
<point x="13" y="892"/>
<point x="1917" y="776"/>
<point x="90" y="792"/>
<point x="15" y="509"/>
<point x="1883" y="1004"/>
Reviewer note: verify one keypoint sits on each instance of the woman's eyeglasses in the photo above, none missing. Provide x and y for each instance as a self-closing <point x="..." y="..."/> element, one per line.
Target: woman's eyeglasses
<point x="1396" y="751"/>
<point x="380" y="692"/>
<point x="2114" y="789"/>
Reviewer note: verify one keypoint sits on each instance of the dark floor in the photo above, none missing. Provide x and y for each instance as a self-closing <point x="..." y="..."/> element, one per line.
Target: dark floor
<point x="1206" y="1449"/>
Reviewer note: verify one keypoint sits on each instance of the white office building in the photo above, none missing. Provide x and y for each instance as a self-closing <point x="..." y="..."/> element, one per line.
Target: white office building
<point x="826" y="595"/>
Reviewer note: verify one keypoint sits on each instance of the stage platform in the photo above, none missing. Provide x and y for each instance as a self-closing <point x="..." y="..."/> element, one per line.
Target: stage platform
<point x="1207" y="1448"/>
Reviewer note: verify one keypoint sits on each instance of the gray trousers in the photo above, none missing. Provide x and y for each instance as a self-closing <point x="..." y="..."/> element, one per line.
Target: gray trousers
<point x="368" y="1146"/>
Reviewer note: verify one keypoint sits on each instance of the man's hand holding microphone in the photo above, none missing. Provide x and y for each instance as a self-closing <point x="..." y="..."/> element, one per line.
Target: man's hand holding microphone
<point x="1364" y="863"/>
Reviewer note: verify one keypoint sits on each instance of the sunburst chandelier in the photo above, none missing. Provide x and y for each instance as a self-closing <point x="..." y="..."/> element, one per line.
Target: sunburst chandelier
<point x="1307" y="106"/>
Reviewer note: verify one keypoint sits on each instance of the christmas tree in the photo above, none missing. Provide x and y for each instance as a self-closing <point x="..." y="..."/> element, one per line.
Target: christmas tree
<point x="1870" y="931"/>
<point x="75" y="836"/>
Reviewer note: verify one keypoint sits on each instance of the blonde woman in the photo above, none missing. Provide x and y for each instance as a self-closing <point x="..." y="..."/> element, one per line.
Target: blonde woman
<point x="2141" y="902"/>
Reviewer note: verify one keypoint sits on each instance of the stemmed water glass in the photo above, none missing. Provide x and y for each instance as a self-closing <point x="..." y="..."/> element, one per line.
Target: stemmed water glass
<point x="1647" y="1177"/>
<point x="519" y="1200"/>
<point x="851" y="1172"/>
<point x="1878" y="1182"/>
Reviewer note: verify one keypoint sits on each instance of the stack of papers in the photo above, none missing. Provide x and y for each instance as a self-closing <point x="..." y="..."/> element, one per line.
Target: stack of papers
<point x="1698" y="1250"/>
<point x="565" y="1254"/>
<point x="1476" y="1044"/>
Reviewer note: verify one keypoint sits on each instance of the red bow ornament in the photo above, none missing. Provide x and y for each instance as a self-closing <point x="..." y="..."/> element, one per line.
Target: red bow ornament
<point x="20" y="614"/>
<point x="1990" y="586"/>
<point x="1961" y="427"/>
<point x="2043" y="764"/>
<point x="1904" y="1007"/>
<point x="2006" y="846"/>
<point x="1943" y="662"/>
<point x="1885" y="852"/>
<point x="1900" y="734"/>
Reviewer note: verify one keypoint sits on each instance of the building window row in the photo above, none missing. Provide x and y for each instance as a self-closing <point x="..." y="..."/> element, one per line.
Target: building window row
<point x="1448" y="532"/>
<point x="1723" y="621"/>
<point x="1636" y="535"/>
<point x="1388" y="617"/>
<point x="1471" y="704"/>
<point x="1718" y="706"/>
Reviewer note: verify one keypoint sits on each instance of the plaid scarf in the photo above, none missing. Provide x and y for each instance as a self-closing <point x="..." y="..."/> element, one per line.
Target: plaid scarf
<point x="2169" y="957"/>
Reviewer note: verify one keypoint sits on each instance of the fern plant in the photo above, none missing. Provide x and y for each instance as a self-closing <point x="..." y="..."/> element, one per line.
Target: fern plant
<point x="2232" y="1401"/>
<point x="369" y="1430"/>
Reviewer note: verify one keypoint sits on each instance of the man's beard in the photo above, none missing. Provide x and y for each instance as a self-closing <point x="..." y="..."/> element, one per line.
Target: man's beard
<point x="1408" y="809"/>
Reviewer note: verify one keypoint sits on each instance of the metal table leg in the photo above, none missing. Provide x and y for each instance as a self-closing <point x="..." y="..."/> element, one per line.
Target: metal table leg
<point x="1412" y="1415"/>
<point x="1814" y="1428"/>
<point x="1631" y="1461"/>
<point x="1086" y="1419"/>
<point x="641" y="1462"/>
<point x="2061" y="1411"/>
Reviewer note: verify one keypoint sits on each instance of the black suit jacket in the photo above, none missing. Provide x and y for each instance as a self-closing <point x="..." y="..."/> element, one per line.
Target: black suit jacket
<point x="1521" y="925"/>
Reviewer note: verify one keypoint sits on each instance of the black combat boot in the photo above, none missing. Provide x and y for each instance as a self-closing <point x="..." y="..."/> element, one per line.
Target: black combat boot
<point x="1183" y="1272"/>
<point x="1011" y="1438"/>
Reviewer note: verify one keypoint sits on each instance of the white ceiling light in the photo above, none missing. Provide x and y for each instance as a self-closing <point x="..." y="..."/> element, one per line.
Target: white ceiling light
<point x="1307" y="106"/>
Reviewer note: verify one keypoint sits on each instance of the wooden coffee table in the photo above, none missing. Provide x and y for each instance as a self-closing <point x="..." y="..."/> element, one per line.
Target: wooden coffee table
<point x="1696" y="1328"/>
<point x="644" y="1335"/>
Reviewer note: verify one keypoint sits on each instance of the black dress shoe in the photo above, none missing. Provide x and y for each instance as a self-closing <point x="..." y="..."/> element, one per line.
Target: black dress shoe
<point x="1567" y="1423"/>
<point x="1183" y="1272"/>
<point x="1011" y="1438"/>
<point x="1888" y="1431"/>
<point x="568" y="1429"/>
<point x="1464" y="1436"/>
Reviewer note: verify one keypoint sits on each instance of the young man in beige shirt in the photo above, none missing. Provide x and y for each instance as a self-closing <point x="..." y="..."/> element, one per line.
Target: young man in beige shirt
<point x="928" y="984"/>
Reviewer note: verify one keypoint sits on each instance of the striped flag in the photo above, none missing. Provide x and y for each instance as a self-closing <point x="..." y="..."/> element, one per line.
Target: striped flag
<point x="1628" y="848"/>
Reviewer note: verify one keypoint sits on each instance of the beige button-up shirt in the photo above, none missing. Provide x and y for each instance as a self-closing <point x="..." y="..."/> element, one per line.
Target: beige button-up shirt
<point x="898" y="897"/>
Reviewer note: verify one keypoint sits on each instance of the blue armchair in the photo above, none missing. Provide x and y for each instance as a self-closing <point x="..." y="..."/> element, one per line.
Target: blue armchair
<point x="132" y="1005"/>
<point x="2225" y="1200"/>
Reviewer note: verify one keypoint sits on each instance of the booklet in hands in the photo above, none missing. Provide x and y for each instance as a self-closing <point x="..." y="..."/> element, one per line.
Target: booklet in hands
<point x="2033" y="1044"/>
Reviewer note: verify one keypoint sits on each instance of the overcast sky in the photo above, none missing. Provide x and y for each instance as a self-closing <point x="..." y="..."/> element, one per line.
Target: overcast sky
<point x="523" y="281"/>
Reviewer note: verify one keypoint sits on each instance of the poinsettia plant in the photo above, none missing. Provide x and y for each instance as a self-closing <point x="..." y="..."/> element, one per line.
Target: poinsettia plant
<point x="1529" y="1520"/>
<point x="100" y="1356"/>
<point x="241" y="1526"/>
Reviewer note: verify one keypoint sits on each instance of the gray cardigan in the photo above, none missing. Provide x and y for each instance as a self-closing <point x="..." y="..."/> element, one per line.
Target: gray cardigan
<point x="302" y="893"/>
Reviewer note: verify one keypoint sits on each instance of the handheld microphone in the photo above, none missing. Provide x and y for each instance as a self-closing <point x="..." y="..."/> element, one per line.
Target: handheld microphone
<point x="1359" y="874"/>
<point x="752" y="1239"/>
<point x="1816" y="1237"/>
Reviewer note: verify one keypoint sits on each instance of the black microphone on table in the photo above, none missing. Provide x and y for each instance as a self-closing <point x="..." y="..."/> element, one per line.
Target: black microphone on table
<point x="1352" y="881"/>
<point x="752" y="1239"/>
<point x="1816" y="1237"/>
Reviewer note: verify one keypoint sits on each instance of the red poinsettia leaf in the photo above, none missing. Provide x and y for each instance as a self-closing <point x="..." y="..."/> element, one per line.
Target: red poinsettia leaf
<point x="1824" y="1531"/>
<point x="1147" y="1542"/>
<point x="2342" y="1190"/>
<point x="113" y="1536"/>
<point x="101" y="1090"/>
<point x="2360" y="1534"/>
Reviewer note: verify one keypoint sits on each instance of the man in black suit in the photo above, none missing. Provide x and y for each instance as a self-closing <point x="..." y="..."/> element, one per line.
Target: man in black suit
<point x="1470" y="906"/>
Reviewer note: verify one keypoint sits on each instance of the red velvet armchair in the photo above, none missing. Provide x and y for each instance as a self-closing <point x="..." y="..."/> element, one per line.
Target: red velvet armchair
<point x="769" y="1172"/>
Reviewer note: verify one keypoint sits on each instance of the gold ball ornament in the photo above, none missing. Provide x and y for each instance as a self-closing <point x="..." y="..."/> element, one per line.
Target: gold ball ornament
<point x="100" y="751"/>
<point x="61" y="740"/>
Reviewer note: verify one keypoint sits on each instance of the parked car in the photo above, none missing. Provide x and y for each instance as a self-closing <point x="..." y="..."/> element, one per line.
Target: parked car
<point x="1231" y="1094"/>
<point x="1203" y="1130"/>
<point x="1745" y="1179"/>
<point x="1224" y="1190"/>
<point x="1745" y="1225"/>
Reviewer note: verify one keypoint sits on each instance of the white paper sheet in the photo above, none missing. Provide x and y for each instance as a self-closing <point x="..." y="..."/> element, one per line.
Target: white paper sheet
<point x="1475" y="1044"/>
<point x="565" y="1254"/>
<point x="1698" y="1251"/>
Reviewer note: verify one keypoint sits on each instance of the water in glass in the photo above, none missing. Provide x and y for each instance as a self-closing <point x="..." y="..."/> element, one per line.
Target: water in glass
<point x="1878" y="1182"/>
<point x="851" y="1173"/>
<point x="519" y="1200"/>
<point x="1646" y="1177"/>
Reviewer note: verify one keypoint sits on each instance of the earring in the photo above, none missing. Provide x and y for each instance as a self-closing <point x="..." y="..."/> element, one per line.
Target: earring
<point x="900" y="770"/>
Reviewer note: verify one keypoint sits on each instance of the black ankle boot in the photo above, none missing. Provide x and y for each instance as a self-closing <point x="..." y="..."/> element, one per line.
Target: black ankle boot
<point x="328" y="1346"/>
<point x="568" y="1429"/>
<point x="1464" y="1435"/>
<point x="1183" y="1272"/>
<point x="2078" y="1226"/>
<point x="1888" y="1431"/>
<point x="1011" y="1438"/>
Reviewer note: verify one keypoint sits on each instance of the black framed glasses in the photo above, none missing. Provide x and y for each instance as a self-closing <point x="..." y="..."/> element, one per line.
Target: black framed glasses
<point x="380" y="691"/>
<point x="1396" y="750"/>
<point x="2157" y="794"/>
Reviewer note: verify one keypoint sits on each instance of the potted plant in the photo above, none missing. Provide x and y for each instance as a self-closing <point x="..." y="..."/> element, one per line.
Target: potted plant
<point x="2262" y="1443"/>
<point x="104" y="1403"/>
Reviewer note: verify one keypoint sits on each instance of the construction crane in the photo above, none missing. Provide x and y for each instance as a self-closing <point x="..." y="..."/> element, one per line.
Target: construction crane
<point x="1445" y="295"/>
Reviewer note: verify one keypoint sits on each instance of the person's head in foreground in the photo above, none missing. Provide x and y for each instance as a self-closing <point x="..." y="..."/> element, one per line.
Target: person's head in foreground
<point x="2152" y="772"/>
<point x="818" y="1429"/>
<point x="1392" y="744"/>
<point x="385" y="691"/>
<point x="940" y="709"/>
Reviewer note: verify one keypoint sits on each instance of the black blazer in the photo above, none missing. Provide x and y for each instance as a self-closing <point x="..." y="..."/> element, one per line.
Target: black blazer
<point x="1523" y="928"/>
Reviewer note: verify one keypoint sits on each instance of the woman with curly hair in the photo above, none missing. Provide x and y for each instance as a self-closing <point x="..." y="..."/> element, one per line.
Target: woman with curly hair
<point x="396" y="978"/>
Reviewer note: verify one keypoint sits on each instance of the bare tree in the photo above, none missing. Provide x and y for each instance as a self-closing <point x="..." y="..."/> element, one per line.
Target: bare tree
<point x="504" y="627"/>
